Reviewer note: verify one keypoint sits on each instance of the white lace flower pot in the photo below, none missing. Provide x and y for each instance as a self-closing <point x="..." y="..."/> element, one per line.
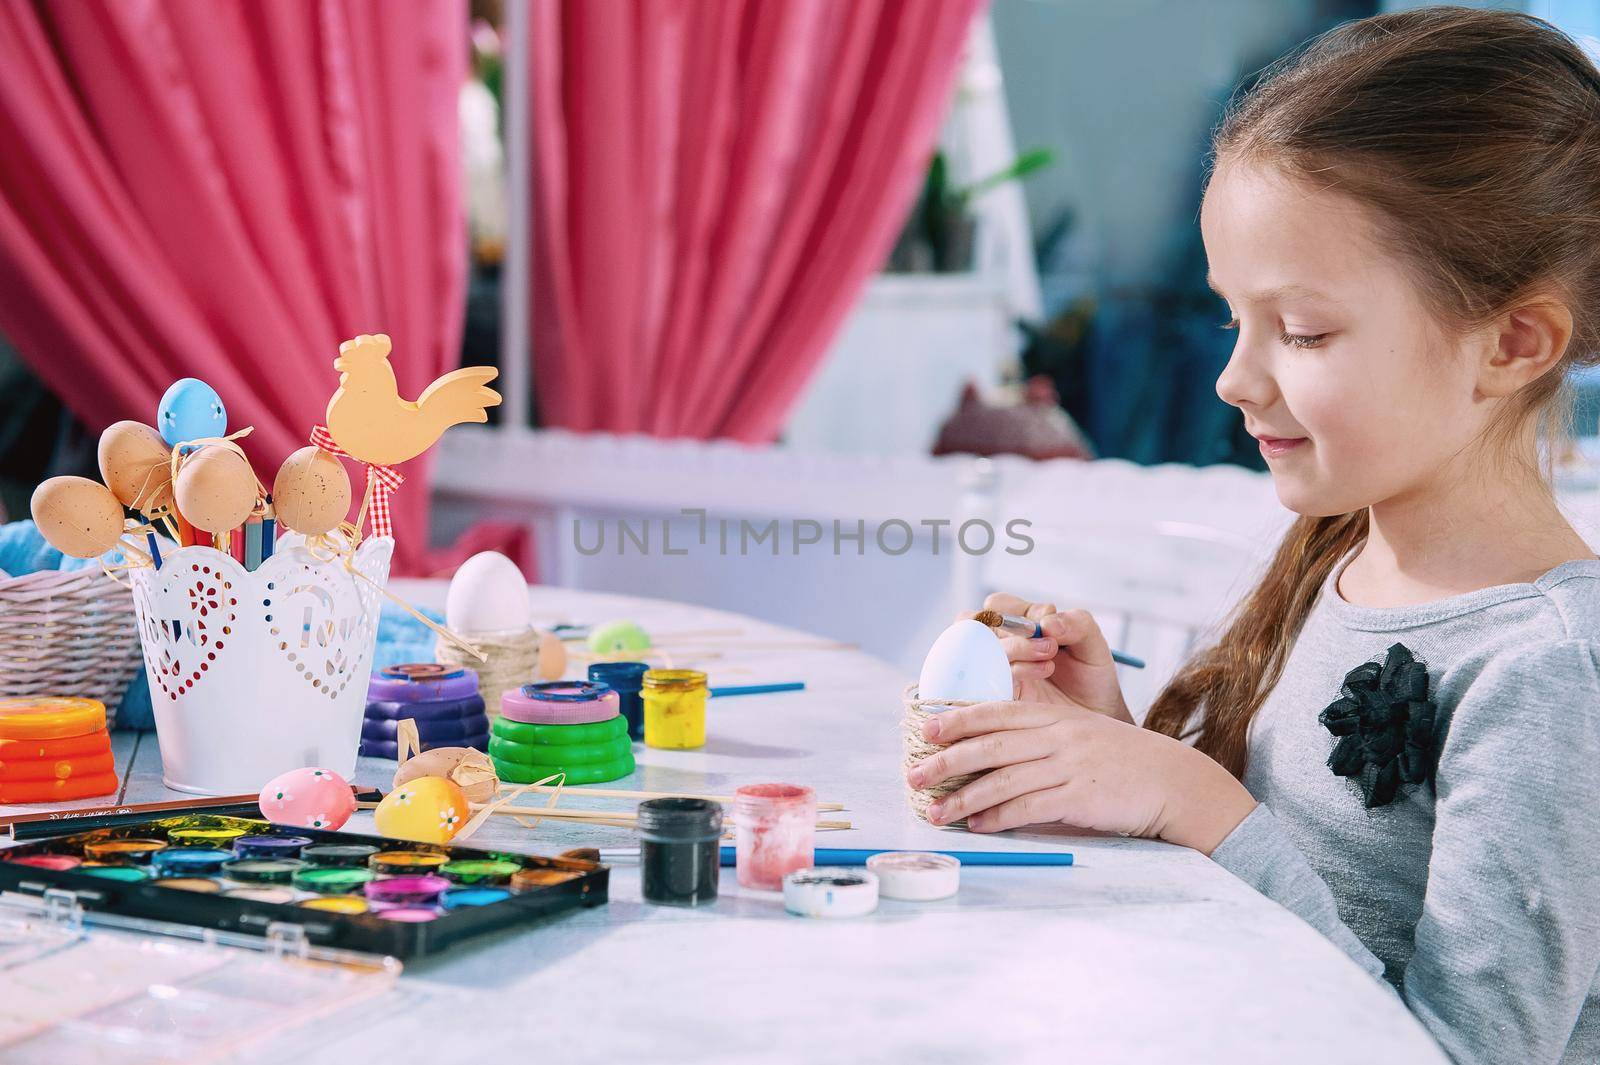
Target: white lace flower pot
<point x="255" y="673"/>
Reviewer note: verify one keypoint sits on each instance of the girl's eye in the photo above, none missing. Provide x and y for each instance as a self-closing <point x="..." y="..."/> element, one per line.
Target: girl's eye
<point x="1301" y="340"/>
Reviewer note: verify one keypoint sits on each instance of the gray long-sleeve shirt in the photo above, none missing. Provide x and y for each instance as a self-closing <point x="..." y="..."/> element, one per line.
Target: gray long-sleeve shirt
<point x="1478" y="896"/>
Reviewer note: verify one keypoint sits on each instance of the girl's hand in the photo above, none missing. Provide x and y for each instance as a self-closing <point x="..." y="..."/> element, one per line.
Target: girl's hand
<point x="1055" y="762"/>
<point x="1070" y="664"/>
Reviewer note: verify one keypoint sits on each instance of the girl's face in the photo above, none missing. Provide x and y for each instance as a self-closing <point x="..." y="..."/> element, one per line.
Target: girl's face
<point x="1353" y="392"/>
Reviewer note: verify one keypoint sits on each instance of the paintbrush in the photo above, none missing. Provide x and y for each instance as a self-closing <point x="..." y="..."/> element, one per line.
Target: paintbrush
<point x="62" y="822"/>
<point x="1032" y="630"/>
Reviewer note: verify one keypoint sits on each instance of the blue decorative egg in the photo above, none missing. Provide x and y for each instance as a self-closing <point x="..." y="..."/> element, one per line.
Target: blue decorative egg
<point x="190" y="410"/>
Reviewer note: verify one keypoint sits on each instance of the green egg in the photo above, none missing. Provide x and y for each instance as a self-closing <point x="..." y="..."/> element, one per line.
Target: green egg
<point x="618" y="636"/>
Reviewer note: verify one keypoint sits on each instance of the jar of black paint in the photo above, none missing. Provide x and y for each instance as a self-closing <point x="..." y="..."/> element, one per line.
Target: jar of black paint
<point x="679" y="840"/>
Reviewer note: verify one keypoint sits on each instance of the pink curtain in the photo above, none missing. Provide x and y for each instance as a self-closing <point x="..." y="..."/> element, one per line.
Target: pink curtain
<point x="716" y="181"/>
<point x="226" y="189"/>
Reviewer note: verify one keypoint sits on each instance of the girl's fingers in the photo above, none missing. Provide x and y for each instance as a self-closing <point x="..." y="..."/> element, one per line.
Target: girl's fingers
<point x="960" y="722"/>
<point x="1078" y="634"/>
<point x="1046" y="806"/>
<point x="984" y="752"/>
<point x="1022" y="649"/>
<point x="1026" y="671"/>
<point x="1003" y="786"/>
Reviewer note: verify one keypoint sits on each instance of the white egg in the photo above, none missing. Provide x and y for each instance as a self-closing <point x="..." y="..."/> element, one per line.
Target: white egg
<point x="965" y="663"/>
<point x="487" y="594"/>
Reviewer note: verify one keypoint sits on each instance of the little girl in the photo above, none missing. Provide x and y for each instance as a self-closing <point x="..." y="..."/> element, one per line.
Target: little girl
<point x="1397" y="736"/>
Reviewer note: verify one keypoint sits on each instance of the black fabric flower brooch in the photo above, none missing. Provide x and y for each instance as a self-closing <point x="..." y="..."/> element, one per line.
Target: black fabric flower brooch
<point x="1384" y="719"/>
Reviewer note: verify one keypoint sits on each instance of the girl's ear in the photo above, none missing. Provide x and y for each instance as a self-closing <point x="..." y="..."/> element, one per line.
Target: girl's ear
<point x="1528" y="342"/>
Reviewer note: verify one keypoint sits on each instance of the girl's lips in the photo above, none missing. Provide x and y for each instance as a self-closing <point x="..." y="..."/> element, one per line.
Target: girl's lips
<point x="1273" y="446"/>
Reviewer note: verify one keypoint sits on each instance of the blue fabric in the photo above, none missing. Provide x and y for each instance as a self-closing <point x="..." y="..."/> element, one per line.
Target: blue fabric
<point x="401" y="637"/>
<point x="23" y="550"/>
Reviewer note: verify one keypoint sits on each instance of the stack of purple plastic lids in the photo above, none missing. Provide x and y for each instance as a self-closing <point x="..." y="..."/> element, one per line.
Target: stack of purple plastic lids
<point x="442" y="700"/>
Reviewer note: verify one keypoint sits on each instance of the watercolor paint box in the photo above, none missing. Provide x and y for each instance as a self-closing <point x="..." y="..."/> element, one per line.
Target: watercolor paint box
<point x="90" y="866"/>
<point x="80" y="986"/>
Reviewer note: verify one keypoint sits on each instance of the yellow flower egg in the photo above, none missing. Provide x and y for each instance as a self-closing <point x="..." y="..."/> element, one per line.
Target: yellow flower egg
<point x="424" y="810"/>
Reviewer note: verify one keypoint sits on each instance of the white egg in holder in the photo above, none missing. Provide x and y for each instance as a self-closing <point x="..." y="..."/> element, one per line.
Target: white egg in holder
<point x="966" y="664"/>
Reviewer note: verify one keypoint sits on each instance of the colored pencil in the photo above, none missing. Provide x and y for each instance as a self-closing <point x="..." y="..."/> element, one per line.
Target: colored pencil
<point x="269" y="531"/>
<point x="252" y="542"/>
<point x="155" y="551"/>
<point x="760" y="689"/>
<point x="185" y="530"/>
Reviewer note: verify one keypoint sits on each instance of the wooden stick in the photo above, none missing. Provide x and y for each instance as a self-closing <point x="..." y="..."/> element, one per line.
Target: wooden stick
<point x="361" y="515"/>
<point x="617" y="793"/>
<point x="561" y="813"/>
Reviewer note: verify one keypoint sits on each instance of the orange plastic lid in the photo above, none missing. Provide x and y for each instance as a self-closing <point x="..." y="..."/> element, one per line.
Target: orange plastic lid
<point x="50" y="718"/>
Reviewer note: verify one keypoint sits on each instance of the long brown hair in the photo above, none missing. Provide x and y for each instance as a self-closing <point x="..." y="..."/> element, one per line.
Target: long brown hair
<point x="1474" y="136"/>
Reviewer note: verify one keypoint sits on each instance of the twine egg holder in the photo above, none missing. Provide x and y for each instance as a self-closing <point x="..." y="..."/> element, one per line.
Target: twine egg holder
<point x="918" y="750"/>
<point x="503" y="661"/>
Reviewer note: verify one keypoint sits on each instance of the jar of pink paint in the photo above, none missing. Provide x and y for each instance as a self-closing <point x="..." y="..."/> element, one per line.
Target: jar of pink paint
<point x="775" y="832"/>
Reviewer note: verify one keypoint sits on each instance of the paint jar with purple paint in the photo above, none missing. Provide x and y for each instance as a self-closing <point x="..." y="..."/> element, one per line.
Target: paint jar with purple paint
<point x="775" y="832"/>
<point x="679" y="841"/>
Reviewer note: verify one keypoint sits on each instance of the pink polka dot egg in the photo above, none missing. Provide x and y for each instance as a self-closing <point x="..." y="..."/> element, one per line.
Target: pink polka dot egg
<point x="308" y="798"/>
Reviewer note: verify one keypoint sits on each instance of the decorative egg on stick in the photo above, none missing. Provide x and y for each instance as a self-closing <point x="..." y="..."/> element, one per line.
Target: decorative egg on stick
<point x="311" y="493"/>
<point x="215" y="489"/>
<point x="135" y="465"/>
<point x="77" y="516"/>
<point x="369" y="420"/>
<point x="308" y="798"/>
<point x="191" y="410"/>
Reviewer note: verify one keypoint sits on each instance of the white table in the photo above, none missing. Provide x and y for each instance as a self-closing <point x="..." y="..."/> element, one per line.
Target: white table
<point x="1140" y="952"/>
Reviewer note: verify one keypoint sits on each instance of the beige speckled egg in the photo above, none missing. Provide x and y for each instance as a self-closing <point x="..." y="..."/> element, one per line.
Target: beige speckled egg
<point x="134" y="463"/>
<point x="470" y="769"/>
<point x="215" y="489"/>
<point x="312" y="492"/>
<point x="552" y="656"/>
<point x="78" y="517"/>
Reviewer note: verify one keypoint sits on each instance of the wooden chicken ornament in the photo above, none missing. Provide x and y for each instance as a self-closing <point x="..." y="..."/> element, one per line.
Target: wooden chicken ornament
<point x="369" y="420"/>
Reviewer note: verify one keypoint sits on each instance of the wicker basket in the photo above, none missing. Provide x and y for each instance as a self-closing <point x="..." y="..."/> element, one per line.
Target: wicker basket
<point x="67" y="634"/>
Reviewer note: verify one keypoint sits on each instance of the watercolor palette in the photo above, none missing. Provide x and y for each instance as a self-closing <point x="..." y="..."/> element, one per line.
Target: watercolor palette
<point x="362" y="893"/>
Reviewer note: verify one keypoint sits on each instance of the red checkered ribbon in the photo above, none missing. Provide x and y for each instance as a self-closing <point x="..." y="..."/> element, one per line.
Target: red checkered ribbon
<point x="381" y="481"/>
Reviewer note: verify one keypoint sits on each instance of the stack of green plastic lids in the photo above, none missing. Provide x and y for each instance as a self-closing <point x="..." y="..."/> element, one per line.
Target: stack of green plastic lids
<point x="587" y="754"/>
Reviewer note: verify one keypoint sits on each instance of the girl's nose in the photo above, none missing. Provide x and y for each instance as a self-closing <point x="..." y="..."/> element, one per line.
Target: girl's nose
<point x="1245" y="381"/>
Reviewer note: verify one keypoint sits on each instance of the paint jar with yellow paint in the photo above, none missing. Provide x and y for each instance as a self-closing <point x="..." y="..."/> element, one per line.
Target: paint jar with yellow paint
<point x="674" y="708"/>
